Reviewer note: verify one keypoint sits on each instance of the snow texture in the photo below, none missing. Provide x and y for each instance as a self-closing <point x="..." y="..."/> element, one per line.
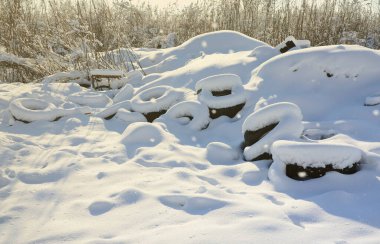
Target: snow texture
<point x="315" y="154"/>
<point x="289" y="119"/>
<point x="84" y="179"/>
<point x="156" y="99"/>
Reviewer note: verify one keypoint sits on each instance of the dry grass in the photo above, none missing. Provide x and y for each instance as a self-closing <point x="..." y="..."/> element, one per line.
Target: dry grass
<point x="61" y="35"/>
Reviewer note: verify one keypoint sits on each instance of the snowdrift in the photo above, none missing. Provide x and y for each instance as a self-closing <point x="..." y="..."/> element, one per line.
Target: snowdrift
<point x="109" y="174"/>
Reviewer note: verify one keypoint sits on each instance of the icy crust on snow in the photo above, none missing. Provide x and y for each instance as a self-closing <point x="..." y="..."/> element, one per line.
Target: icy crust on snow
<point x="125" y="93"/>
<point x="92" y="99"/>
<point x="289" y="119"/>
<point x="218" y="82"/>
<point x="198" y="112"/>
<point x="156" y="99"/>
<point x="130" y="117"/>
<point x="32" y="109"/>
<point x="315" y="154"/>
<point x="327" y="83"/>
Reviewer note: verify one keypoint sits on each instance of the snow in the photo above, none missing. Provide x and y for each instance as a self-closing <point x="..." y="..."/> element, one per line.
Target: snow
<point x="125" y="93"/>
<point x="106" y="72"/>
<point x="86" y="179"/>
<point x="221" y="153"/>
<point x="218" y="82"/>
<point x="156" y="99"/>
<point x="31" y="109"/>
<point x="289" y="119"/>
<point x="198" y="112"/>
<point x="129" y="116"/>
<point x="92" y="99"/>
<point x="315" y="154"/>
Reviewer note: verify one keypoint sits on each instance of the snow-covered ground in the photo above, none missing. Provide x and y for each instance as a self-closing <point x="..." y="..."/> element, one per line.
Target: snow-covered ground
<point x="73" y="176"/>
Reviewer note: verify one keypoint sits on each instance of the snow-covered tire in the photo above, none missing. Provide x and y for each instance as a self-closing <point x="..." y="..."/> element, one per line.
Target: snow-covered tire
<point x="130" y="117"/>
<point x="92" y="99"/>
<point x="125" y="93"/>
<point x="155" y="101"/>
<point x="223" y="94"/>
<point x="32" y="109"/>
<point x="109" y="112"/>
<point x="263" y="127"/>
<point x="310" y="160"/>
<point x="197" y="113"/>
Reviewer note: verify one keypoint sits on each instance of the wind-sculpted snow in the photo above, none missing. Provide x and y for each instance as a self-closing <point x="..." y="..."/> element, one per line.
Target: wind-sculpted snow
<point x="110" y="176"/>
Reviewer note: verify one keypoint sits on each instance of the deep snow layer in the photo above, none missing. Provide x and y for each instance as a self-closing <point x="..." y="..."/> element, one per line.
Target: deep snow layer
<point x="84" y="179"/>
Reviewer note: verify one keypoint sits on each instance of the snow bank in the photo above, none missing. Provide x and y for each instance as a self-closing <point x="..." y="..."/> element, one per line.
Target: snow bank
<point x="215" y="42"/>
<point x="327" y="83"/>
<point x="289" y="119"/>
<point x="315" y="154"/>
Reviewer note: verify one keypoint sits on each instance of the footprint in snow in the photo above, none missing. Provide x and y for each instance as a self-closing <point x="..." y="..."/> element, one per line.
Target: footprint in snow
<point x="192" y="205"/>
<point x="101" y="207"/>
<point x="41" y="176"/>
<point x="122" y="198"/>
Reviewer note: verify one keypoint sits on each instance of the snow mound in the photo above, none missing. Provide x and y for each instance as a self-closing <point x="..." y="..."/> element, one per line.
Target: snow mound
<point x="264" y="52"/>
<point x="210" y="43"/>
<point x="143" y="134"/>
<point x="32" y="109"/>
<point x="327" y="83"/>
<point x="129" y="116"/>
<point x="156" y="99"/>
<point x="289" y="119"/>
<point x="221" y="153"/>
<point x="125" y="93"/>
<point x="315" y="154"/>
<point x="92" y="99"/>
<point x="196" y="112"/>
